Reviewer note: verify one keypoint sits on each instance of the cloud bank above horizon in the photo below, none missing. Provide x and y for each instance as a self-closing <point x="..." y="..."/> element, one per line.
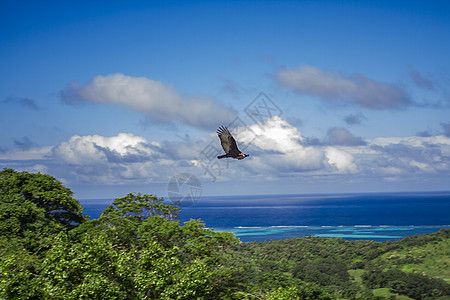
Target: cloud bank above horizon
<point x="279" y="151"/>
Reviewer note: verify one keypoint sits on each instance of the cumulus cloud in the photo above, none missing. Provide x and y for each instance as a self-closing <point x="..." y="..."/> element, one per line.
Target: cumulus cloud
<point x="342" y="137"/>
<point x="281" y="148"/>
<point x="277" y="151"/>
<point x="114" y="160"/>
<point x="276" y="134"/>
<point x="22" y="155"/>
<point x="153" y="98"/>
<point x="111" y="160"/>
<point x="334" y="86"/>
<point x="282" y="151"/>
<point x="410" y="155"/>
<point x="96" y="149"/>
<point x="341" y="160"/>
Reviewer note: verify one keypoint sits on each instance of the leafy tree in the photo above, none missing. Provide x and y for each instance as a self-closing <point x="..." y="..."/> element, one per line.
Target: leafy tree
<point x="135" y="220"/>
<point x="35" y="207"/>
<point x="136" y="250"/>
<point x="413" y="285"/>
<point x="18" y="272"/>
<point x="140" y="207"/>
<point x="89" y="269"/>
<point x="324" y="271"/>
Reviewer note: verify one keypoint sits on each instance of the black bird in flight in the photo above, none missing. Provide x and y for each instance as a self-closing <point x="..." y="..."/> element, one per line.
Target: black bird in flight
<point x="229" y="144"/>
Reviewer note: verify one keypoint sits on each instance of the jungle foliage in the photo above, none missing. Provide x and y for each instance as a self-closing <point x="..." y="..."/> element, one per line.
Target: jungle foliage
<point x="138" y="249"/>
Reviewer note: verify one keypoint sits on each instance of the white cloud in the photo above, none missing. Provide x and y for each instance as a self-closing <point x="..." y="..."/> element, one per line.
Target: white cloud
<point x="341" y="160"/>
<point x="280" y="149"/>
<point x="153" y="98"/>
<point x="276" y="135"/>
<point x="277" y="152"/>
<point x="38" y="153"/>
<point x="92" y="149"/>
<point x="334" y="86"/>
<point x="113" y="160"/>
<point x="411" y="155"/>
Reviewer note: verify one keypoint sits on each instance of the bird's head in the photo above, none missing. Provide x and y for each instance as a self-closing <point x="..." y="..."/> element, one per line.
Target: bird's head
<point x="242" y="156"/>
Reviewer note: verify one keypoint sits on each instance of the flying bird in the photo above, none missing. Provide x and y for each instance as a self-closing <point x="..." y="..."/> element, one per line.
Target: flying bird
<point x="229" y="145"/>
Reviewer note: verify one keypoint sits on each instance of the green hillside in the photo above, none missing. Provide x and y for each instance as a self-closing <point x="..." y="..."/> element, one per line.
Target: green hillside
<point x="431" y="258"/>
<point x="415" y="267"/>
<point x="138" y="249"/>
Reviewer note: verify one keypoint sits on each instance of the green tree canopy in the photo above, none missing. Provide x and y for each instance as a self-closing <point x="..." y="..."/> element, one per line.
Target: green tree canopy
<point x="35" y="206"/>
<point x="140" y="207"/>
<point x="137" y="250"/>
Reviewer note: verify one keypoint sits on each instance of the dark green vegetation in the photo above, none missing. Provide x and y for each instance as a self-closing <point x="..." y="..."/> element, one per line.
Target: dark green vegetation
<point x="138" y="249"/>
<point x="415" y="267"/>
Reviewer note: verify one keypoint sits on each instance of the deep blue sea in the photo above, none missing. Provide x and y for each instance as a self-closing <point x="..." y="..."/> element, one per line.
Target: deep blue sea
<point x="376" y="216"/>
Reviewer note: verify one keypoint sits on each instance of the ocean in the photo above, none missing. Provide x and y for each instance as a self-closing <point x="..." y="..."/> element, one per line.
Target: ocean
<point x="375" y="216"/>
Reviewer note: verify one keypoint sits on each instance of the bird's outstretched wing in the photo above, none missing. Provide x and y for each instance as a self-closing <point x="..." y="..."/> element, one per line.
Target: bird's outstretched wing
<point x="228" y="142"/>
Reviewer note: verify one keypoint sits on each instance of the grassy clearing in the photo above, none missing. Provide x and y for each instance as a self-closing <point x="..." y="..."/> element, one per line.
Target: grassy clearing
<point x="356" y="275"/>
<point x="386" y="293"/>
<point x="432" y="259"/>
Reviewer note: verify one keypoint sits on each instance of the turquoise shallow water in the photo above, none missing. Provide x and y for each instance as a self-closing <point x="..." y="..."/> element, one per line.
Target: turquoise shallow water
<point x="376" y="216"/>
<point x="376" y="233"/>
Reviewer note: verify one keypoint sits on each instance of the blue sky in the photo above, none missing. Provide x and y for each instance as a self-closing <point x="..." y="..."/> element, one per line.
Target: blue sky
<point x="114" y="97"/>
